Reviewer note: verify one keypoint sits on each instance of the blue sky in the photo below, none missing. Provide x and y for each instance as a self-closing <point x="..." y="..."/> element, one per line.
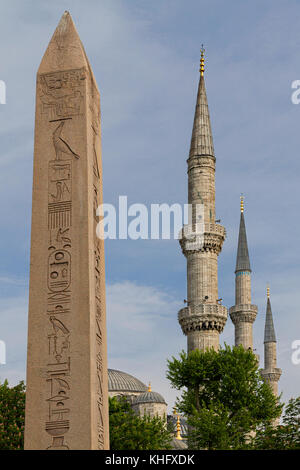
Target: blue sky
<point x="145" y="56"/>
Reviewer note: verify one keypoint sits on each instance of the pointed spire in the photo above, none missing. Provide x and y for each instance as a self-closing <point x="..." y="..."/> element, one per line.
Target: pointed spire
<point x="242" y="258"/>
<point x="242" y="203"/>
<point x="178" y="427"/>
<point x="270" y="336"/>
<point x="202" y="141"/>
<point x="202" y="50"/>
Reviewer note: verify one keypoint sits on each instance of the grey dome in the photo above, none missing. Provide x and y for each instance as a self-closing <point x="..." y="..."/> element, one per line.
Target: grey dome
<point x="178" y="444"/>
<point x="149" y="397"/>
<point x="119" y="381"/>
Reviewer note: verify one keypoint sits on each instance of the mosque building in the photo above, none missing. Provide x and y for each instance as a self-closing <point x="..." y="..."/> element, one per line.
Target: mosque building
<point x="144" y="401"/>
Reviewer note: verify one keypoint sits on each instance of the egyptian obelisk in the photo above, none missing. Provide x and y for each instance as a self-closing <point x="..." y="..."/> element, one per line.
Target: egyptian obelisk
<point x="66" y="398"/>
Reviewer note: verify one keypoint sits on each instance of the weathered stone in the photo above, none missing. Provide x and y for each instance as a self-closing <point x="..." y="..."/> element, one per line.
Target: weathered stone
<point x="66" y="398"/>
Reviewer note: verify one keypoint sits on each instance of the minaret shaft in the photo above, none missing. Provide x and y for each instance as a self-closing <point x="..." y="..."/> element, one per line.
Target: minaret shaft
<point x="243" y="289"/>
<point x="204" y="317"/>
<point x="270" y="355"/>
<point x="201" y="187"/>
<point x="202" y="278"/>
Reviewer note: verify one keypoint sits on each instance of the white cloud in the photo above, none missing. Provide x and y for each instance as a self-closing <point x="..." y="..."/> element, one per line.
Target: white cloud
<point x="13" y="331"/>
<point x="143" y="333"/>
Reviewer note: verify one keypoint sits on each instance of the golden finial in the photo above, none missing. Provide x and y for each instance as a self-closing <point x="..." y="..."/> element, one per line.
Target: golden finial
<point x="178" y="436"/>
<point x="202" y="50"/>
<point x="268" y="291"/>
<point x="174" y="410"/>
<point x="149" y="387"/>
<point x="242" y="203"/>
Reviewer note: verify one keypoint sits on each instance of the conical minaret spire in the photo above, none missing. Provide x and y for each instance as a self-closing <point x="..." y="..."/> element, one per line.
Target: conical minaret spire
<point x="270" y="336"/>
<point x="271" y="373"/>
<point x="202" y="141"/>
<point x="242" y="258"/>
<point x="204" y="317"/>
<point x="243" y="313"/>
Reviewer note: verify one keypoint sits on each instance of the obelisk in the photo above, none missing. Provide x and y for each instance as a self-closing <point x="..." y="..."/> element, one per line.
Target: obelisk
<point x="66" y="398"/>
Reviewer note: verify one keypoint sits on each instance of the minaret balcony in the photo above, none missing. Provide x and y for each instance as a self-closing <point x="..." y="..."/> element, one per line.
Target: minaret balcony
<point x="243" y="313"/>
<point x="201" y="161"/>
<point x="271" y="375"/>
<point x="203" y="317"/>
<point x="202" y="237"/>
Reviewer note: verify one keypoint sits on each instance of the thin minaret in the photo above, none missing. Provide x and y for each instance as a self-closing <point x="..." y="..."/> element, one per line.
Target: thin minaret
<point x="271" y="373"/>
<point x="204" y="318"/>
<point x="243" y="313"/>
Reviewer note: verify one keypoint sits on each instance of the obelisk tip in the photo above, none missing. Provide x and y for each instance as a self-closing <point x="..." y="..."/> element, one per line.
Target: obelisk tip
<point x="65" y="50"/>
<point x="64" y="22"/>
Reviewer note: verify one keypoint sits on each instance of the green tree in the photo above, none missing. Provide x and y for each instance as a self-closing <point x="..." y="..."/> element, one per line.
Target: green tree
<point x="286" y="436"/>
<point x="225" y="398"/>
<point x="130" y="432"/>
<point x="12" y="416"/>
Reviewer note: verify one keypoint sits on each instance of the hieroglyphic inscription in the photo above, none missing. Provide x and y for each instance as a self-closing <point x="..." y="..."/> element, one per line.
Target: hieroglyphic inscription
<point x="59" y="284"/>
<point x="61" y="94"/>
<point x="59" y="271"/>
<point x="95" y="112"/>
<point x="60" y="181"/>
<point x="59" y="361"/>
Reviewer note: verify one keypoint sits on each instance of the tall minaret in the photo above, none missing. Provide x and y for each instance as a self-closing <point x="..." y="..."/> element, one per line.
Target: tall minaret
<point x="204" y="317"/>
<point x="243" y="313"/>
<point x="271" y="373"/>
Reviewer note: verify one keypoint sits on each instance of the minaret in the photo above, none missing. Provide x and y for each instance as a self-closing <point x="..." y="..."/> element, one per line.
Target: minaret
<point x="204" y="317"/>
<point x="271" y="373"/>
<point x="243" y="313"/>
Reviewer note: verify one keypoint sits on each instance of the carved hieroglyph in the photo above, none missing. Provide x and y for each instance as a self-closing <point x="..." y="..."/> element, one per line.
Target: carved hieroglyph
<point x="67" y="399"/>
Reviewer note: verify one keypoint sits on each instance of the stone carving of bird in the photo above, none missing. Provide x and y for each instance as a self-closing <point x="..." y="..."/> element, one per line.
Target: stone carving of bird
<point x="60" y="145"/>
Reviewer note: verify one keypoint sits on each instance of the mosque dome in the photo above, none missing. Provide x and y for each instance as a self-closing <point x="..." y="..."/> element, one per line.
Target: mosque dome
<point x="149" y="397"/>
<point x="179" y="444"/>
<point x="119" y="381"/>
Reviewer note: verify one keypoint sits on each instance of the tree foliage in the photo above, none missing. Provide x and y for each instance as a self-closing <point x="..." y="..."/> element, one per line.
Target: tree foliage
<point x="225" y="398"/>
<point x="127" y="430"/>
<point x="286" y="436"/>
<point x="130" y="432"/>
<point x="12" y="416"/>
